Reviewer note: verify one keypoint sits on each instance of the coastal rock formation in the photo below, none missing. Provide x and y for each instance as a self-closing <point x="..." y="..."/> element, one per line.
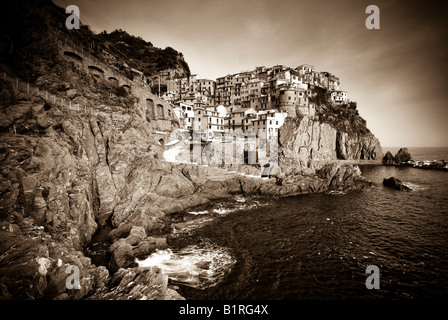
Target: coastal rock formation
<point x="357" y="146"/>
<point x="427" y="164"/>
<point x="34" y="263"/>
<point x="303" y="139"/>
<point x="148" y="283"/>
<point x="404" y="158"/>
<point x="395" y="183"/>
<point x="124" y="251"/>
<point x="402" y="155"/>
<point x="388" y="158"/>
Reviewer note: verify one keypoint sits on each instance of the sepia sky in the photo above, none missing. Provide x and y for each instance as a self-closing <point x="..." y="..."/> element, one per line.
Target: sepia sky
<point x="397" y="74"/>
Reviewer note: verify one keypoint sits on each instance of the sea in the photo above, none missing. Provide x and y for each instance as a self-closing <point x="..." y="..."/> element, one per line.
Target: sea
<point x="320" y="246"/>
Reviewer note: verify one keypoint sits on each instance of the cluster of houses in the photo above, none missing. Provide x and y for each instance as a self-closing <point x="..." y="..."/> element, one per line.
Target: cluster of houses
<point x="258" y="100"/>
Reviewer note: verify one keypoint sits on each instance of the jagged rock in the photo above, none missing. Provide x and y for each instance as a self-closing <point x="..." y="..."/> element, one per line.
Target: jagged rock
<point x="137" y="283"/>
<point x="33" y="265"/>
<point x="388" y="158"/>
<point x="357" y="146"/>
<point x="121" y="255"/>
<point x="402" y="155"/>
<point x="342" y="177"/>
<point x="307" y="139"/>
<point x="304" y="139"/>
<point x="148" y="246"/>
<point x="395" y="183"/>
<point x="136" y="235"/>
<point x="71" y="93"/>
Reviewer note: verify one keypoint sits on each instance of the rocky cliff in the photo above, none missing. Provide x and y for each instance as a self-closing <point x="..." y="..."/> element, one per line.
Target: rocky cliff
<point x="304" y="140"/>
<point x="66" y="172"/>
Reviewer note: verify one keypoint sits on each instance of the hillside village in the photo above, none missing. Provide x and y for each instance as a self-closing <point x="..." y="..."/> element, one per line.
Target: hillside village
<point x="258" y="100"/>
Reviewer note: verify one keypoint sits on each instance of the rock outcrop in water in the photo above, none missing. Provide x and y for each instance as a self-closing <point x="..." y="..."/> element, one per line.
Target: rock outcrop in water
<point x="402" y="155"/>
<point x="388" y="158"/>
<point x="395" y="183"/>
<point x="404" y="158"/>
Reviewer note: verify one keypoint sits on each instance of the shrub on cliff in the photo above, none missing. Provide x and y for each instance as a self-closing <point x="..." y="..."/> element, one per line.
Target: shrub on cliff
<point x="141" y="55"/>
<point x="344" y="118"/>
<point x="320" y="96"/>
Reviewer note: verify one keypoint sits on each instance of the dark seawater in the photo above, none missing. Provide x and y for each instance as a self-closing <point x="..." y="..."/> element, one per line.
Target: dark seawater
<point x="318" y="246"/>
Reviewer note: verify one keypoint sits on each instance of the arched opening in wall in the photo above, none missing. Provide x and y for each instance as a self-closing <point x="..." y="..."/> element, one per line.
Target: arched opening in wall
<point x="150" y="112"/>
<point x="95" y="68"/>
<point x="113" y="81"/>
<point x="96" y="72"/>
<point x="160" y="113"/>
<point x="162" y="142"/>
<point x="169" y="114"/>
<point x="73" y="55"/>
<point x="127" y="88"/>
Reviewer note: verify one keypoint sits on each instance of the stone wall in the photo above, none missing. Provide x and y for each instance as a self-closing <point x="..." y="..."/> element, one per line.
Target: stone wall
<point x="151" y="106"/>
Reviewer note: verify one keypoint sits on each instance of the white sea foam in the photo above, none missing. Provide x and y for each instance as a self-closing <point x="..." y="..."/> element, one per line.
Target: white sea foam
<point x="223" y="210"/>
<point x="198" y="212"/>
<point x="336" y="192"/>
<point x="196" y="266"/>
<point x="414" y="186"/>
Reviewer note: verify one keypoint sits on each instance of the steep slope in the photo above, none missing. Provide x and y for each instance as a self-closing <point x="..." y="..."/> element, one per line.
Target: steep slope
<point x="327" y="131"/>
<point x="142" y="55"/>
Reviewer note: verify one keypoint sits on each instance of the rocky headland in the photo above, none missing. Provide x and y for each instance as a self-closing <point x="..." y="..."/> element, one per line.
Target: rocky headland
<point x="65" y="173"/>
<point x="403" y="158"/>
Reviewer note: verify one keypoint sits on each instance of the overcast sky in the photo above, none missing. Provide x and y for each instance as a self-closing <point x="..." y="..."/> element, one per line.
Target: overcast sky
<point x="398" y="74"/>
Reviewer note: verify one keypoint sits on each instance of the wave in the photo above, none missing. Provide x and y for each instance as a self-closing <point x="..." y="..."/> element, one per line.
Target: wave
<point x="198" y="212"/>
<point x="198" y="266"/>
<point x="415" y="186"/>
<point x="335" y="193"/>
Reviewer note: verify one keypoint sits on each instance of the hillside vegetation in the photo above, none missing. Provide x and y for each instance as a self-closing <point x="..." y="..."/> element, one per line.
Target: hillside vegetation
<point x="28" y="48"/>
<point x="344" y="117"/>
<point x="143" y="55"/>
